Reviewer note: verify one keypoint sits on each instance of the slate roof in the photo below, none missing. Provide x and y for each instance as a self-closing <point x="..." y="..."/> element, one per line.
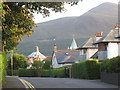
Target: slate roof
<point x="89" y="43"/>
<point x="67" y="56"/>
<point x="110" y="37"/>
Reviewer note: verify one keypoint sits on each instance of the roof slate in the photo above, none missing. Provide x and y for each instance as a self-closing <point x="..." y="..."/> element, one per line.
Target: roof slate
<point x="89" y="43"/>
<point x="110" y="37"/>
<point x="67" y="56"/>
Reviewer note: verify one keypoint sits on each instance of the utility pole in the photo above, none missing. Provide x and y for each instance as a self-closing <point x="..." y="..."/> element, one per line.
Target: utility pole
<point x="11" y="62"/>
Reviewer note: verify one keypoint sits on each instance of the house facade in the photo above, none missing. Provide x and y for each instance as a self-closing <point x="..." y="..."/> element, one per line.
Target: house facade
<point x="88" y="49"/>
<point x="109" y="45"/>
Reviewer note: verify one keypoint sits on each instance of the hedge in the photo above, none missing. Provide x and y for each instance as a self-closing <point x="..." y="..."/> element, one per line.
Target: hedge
<point x="15" y="72"/>
<point x="111" y="65"/>
<point x="26" y="73"/>
<point x="42" y="73"/>
<point x="2" y="67"/>
<point x="89" y="69"/>
<point x="58" y="72"/>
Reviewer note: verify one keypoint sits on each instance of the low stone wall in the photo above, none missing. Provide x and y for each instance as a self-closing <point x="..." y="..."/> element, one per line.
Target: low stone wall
<point x="112" y="78"/>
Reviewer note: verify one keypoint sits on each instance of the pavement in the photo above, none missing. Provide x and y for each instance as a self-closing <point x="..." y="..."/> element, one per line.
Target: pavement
<point x="13" y="82"/>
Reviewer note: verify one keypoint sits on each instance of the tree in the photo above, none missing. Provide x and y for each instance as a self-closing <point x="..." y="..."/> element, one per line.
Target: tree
<point x="19" y="61"/>
<point x="47" y="65"/>
<point x="37" y="64"/>
<point x="17" y="19"/>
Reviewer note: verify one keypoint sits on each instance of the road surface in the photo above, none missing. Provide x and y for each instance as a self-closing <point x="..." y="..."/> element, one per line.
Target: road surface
<point x="39" y="82"/>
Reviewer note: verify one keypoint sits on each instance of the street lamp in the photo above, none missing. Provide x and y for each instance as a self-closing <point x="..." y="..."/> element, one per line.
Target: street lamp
<point x="11" y="62"/>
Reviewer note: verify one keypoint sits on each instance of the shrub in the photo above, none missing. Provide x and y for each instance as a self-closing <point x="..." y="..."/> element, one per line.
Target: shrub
<point x="46" y="65"/>
<point x="111" y="65"/>
<point x="45" y="73"/>
<point x="15" y="72"/>
<point x="26" y="73"/>
<point x="2" y="66"/>
<point x="58" y="72"/>
<point x="89" y="69"/>
<point x="19" y="61"/>
<point x="37" y="65"/>
<point x="42" y="73"/>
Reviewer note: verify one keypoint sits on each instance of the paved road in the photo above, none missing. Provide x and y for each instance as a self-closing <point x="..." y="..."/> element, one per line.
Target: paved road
<point x="66" y="83"/>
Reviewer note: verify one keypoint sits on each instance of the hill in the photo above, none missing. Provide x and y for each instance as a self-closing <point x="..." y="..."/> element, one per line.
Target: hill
<point x="101" y="18"/>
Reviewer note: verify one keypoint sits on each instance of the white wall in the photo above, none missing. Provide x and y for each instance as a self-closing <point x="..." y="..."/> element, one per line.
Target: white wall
<point x="54" y="61"/>
<point x="119" y="49"/>
<point x="90" y="52"/>
<point x="112" y="50"/>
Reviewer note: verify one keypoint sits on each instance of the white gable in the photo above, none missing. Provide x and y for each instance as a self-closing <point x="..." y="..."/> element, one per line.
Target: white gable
<point x="54" y="61"/>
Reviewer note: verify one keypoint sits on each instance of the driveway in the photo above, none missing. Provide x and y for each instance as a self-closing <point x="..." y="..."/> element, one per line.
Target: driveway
<point x="39" y="82"/>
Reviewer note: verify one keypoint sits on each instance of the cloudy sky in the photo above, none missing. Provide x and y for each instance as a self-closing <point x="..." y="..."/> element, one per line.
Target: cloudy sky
<point x="75" y="10"/>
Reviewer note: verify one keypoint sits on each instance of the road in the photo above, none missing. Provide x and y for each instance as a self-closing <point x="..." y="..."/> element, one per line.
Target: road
<point x="39" y="82"/>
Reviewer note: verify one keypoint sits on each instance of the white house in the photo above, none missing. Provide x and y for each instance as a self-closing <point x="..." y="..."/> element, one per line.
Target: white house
<point x="88" y="49"/>
<point x="109" y="45"/>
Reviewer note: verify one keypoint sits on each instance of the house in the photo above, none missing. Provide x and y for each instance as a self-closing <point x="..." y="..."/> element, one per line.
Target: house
<point x="109" y="45"/>
<point x="62" y="58"/>
<point x="88" y="49"/>
<point x="35" y="56"/>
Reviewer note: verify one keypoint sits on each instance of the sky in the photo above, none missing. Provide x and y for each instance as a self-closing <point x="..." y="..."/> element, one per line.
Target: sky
<point x="76" y="10"/>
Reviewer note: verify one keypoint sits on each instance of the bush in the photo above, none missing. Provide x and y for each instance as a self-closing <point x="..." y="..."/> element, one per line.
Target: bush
<point x="37" y="65"/>
<point x="42" y="73"/>
<point x="2" y="66"/>
<point x="89" y="69"/>
<point x="111" y="65"/>
<point x="58" y="72"/>
<point x="46" y="65"/>
<point x="19" y="61"/>
<point x="26" y="72"/>
<point x="15" y="72"/>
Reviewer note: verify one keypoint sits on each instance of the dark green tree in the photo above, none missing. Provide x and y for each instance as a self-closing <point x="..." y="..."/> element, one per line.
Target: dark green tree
<point x="37" y="65"/>
<point x="19" y="61"/>
<point x="17" y="19"/>
<point x="47" y="65"/>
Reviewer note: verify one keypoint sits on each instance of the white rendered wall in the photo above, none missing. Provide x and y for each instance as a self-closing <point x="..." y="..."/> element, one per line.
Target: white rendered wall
<point x="112" y="50"/>
<point x="119" y="49"/>
<point x="54" y="62"/>
<point x="90" y="53"/>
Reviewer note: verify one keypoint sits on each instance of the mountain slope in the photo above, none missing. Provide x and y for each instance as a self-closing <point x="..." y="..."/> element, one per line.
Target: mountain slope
<point x="101" y="18"/>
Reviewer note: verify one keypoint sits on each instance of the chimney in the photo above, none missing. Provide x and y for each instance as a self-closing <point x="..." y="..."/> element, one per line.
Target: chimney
<point x="99" y="35"/>
<point x="55" y="47"/>
<point x="117" y="25"/>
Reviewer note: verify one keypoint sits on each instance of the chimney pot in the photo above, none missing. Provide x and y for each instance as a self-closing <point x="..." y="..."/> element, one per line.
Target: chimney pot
<point x="117" y="25"/>
<point x="99" y="34"/>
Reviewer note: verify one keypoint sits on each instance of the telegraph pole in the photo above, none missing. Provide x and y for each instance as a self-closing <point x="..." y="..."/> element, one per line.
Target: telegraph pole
<point x="11" y="62"/>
